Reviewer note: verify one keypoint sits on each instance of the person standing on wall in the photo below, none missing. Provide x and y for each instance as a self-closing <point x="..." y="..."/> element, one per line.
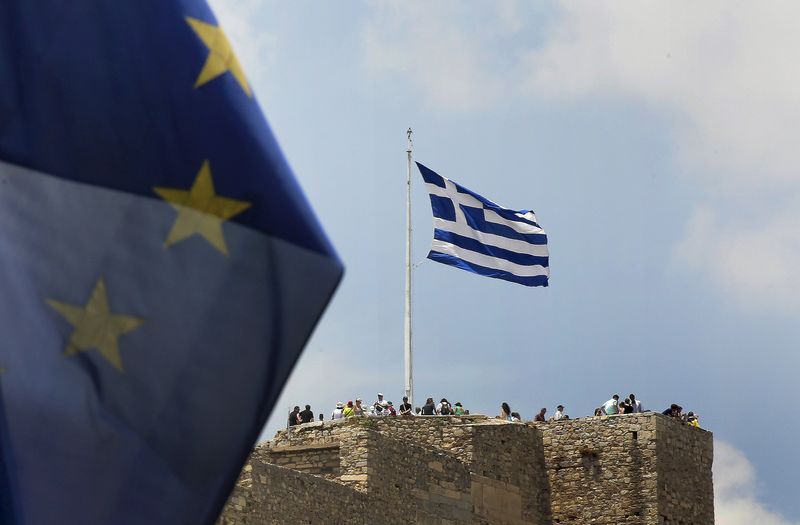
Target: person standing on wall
<point x="637" y="405"/>
<point x="307" y="415"/>
<point x="405" y="407"/>
<point x="293" y="417"/>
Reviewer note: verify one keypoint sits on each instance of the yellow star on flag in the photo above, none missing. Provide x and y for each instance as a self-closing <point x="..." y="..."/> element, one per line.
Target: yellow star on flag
<point x="221" y="58"/>
<point x="95" y="326"/>
<point x="200" y="210"/>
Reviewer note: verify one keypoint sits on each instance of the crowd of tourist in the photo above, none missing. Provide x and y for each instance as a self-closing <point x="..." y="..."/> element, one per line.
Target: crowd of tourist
<point x="508" y="415"/>
<point x="676" y="411"/>
<point x="631" y="405"/>
<point x="382" y="407"/>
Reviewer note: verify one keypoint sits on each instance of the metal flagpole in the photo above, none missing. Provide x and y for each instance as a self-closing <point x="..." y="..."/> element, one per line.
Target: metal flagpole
<point x="409" y="390"/>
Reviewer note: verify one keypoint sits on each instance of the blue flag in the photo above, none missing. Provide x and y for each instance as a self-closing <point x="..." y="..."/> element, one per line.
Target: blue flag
<point x="475" y="234"/>
<point x="160" y="268"/>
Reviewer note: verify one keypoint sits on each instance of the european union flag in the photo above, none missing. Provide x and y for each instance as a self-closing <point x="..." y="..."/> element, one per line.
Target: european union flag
<point x="160" y="269"/>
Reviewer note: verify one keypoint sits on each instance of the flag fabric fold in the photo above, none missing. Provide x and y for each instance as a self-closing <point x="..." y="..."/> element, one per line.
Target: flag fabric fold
<point x="160" y="268"/>
<point x="475" y="234"/>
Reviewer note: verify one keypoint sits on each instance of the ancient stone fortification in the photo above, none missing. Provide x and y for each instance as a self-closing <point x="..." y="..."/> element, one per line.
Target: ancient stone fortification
<point x="611" y="470"/>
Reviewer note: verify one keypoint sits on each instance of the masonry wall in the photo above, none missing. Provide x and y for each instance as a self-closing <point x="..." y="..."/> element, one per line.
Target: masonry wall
<point x="506" y="461"/>
<point x="425" y="470"/>
<point x="423" y="485"/>
<point x="513" y="455"/>
<point x="451" y="435"/>
<point x="602" y="470"/>
<point x="319" y="459"/>
<point x="271" y="495"/>
<point x="382" y="481"/>
<point x="318" y="432"/>
<point x="629" y="469"/>
<point x="685" y="484"/>
<point x="636" y="468"/>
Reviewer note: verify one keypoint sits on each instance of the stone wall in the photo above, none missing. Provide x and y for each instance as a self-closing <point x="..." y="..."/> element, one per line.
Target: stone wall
<point x="422" y="485"/>
<point x="271" y="495"/>
<point x="633" y="468"/>
<point x="513" y="455"/>
<point x="506" y="459"/>
<point x="685" y="486"/>
<point x="381" y="481"/>
<point x="311" y="433"/>
<point x="318" y="459"/>
<point x="451" y="435"/>
<point x="629" y="469"/>
<point x="602" y="469"/>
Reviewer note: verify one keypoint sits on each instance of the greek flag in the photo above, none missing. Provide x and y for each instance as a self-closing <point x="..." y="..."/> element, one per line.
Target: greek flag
<point x="475" y="234"/>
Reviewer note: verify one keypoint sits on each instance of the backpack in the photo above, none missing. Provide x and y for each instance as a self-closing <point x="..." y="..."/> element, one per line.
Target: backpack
<point x="445" y="409"/>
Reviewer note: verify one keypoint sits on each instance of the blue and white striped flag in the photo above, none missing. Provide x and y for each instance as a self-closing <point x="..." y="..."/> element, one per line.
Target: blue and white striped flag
<point x="477" y="235"/>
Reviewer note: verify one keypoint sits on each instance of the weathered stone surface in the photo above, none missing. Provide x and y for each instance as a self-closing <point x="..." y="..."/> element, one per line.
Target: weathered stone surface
<point x="638" y="469"/>
<point x="633" y="468"/>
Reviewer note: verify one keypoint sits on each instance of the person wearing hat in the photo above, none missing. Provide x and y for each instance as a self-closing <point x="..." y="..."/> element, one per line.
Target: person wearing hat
<point x="348" y="410"/>
<point x="389" y="409"/>
<point x="358" y="409"/>
<point x="379" y="401"/>
<point x="338" y="412"/>
<point x="559" y="413"/>
<point x="458" y="409"/>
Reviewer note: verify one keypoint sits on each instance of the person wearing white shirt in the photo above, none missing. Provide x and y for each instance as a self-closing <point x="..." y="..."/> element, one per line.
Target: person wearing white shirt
<point x="559" y="413"/>
<point x="379" y="401"/>
<point x="637" y="405"/>
<point x="444" y="408"/>
<point x="611" y="406"/>
<point x="338" y="411"/>
<point x="376" y="410"/>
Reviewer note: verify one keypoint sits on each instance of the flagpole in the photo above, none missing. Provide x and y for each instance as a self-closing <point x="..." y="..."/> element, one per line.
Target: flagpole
<point x="409" y="386"/>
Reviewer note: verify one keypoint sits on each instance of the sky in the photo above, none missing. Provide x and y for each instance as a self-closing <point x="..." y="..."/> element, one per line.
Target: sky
<point x="654" y="141"/>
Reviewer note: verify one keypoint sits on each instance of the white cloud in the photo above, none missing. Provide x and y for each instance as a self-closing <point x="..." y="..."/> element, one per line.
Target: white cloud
<point x="427" y="44"/>
<point x="255" y="48"/>
<point x="722" y="74"/>
<point x="728" y="68"/>
<point x="756" y="263"/>
<point x="735" y="502"/>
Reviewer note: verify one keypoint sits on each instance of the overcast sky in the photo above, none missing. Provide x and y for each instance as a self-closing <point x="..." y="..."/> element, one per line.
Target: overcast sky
<point x="656" y="143"/>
